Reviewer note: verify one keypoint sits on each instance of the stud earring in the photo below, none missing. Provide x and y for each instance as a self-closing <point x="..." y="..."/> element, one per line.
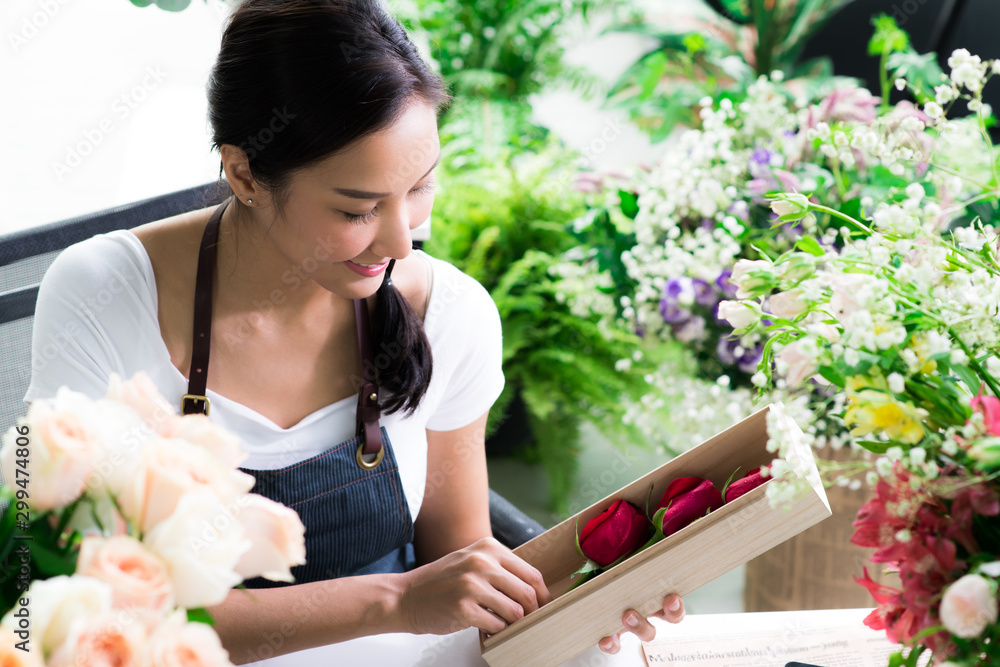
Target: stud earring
<point x="249" y="201"/>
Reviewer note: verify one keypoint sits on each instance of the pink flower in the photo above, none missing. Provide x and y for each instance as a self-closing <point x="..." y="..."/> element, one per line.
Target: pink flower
<point x="138" y="577"/>
<point x="140" y="394"/>
<point x="111" y="639"/>
<point x="797" y="361"/>
<point x="199" y="430"/>
<point x="169" y="469"/>
<point x="788" y="304"/>
<point x="989" y="407"/>
<point x="14" y="657"/>
<point x="277" y="536"/>
<point x="65" y="439"/>
<point x="178" y="643"/>
<point x="969" y="605"/>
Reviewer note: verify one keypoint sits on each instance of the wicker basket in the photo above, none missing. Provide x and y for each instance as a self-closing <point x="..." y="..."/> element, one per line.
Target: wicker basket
<point x="815" y="569"/>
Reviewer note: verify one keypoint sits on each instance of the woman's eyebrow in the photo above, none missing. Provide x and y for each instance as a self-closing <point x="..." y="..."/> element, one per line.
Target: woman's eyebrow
<point x="364" y="194"/>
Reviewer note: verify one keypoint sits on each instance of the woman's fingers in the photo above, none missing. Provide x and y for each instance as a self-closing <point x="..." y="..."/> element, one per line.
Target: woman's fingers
<point x="526" y="574"/>
<point x="611" y="644"/>
<point x="673" y="609"/>
<point x="638" y="625"/>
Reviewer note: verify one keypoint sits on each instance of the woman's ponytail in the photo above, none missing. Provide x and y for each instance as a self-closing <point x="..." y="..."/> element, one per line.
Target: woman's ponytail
<point x="402" y="351"/>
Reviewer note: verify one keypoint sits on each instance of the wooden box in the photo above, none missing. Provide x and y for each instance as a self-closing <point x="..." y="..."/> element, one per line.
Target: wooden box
<point x="726" y="538"/>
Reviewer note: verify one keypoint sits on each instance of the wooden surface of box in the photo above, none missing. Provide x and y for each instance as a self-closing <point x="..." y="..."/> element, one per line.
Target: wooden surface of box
<point x="724" y="539"/>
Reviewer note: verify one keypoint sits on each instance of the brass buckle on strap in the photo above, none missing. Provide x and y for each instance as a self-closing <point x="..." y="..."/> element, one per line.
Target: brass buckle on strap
<point x="195" y="397"/>
<point x="359" y="455"/>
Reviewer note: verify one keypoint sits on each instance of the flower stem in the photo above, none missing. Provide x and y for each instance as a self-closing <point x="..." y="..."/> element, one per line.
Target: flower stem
<point x="843" y="216"/>
<point x="976" y="366"/>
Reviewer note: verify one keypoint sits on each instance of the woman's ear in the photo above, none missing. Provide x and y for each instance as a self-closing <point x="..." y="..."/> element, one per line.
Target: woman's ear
<point x="237" y="167"/>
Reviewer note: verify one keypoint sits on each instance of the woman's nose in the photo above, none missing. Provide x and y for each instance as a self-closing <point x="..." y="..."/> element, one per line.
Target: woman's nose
<point x="394" y="238"/>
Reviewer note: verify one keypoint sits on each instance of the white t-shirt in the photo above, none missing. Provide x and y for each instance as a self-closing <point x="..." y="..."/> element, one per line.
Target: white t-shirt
<point x="97" y="315"/>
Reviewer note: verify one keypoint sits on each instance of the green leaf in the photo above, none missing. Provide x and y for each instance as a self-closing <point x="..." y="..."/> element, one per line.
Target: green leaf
<point x="832" y="376"/>
<point x="888" y="36"/>
<point x="50" y="561"/>
<point x="810" y="245"/>
<point x="629" y="203"/>
<point x="729" y="481"/>
<point x="200" y="615"/>
<point x="876" y="447"/>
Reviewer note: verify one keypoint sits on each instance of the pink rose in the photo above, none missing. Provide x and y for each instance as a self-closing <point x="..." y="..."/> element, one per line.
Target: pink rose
<point x="168" y="469"/>
<point x="64" y="439"/>
<point x="745" y="484"/>
<point x="179" y="643"/>
<point x="111" y="639"/>
<point x="138" y="577"/>
<point x="141" y="395"/>
<point x="277" y="537"/>
<point x="14" y="657"/>
<point x="969" y="605"/>
<point x="199" y="430"/>
<point x="56" y="603"/>
<point x="686" y="500"/>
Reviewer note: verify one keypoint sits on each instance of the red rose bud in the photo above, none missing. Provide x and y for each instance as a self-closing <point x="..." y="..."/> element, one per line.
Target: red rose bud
<point x="748" y="482"/>
<point x="687" y="499"/>
<point x="617" y="532"/>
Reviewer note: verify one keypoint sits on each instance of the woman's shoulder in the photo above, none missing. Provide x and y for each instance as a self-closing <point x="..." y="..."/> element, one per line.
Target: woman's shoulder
<point x="456" y="293"/>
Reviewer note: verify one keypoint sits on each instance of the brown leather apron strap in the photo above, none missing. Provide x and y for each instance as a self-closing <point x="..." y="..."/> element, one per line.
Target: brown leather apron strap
<point x="195" y="401"/>
<point x="369" y="409"/>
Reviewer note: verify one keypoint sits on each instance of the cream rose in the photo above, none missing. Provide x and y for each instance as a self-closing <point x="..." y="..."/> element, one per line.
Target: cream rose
<point x="11" y="656"/>
<point x="170" y="469"/>
<point x="64" y="440"/>
<point x="111" y="639"/>
<point x="200" y="430"/>
<point x="738" y="314"/>
<point x="797" y="361"/>
<point x="201" y="542"/>
<point x="787" y="305"/>
<point x="969" y="605"/>
<point x="138" y="577"/>
<point x="179" y="643"/>
<point x="55" y="602"/>
<point x="277" y="536"/>
<point x="140" y="394"/>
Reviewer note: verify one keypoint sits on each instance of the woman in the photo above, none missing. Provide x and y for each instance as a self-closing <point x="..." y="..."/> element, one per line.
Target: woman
<point x="326" y="121"/>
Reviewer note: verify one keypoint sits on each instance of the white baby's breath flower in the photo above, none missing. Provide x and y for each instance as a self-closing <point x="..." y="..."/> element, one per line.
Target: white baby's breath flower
<point x="933" y="110"/>
<point x="900" y="84"/>
<point x="896" y="383"/>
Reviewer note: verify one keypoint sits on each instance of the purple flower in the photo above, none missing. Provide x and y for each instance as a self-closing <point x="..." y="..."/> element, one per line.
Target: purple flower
<point x="675" y="287"/>
<point x="750" y="359"/>
<point x="692" y="331"/>
<point x="672" y="312"/>
<point x="704" y="294"/>
<point x="727" y="288"/>
<point x="760" y="163"/>
<point x="726" y="349"/>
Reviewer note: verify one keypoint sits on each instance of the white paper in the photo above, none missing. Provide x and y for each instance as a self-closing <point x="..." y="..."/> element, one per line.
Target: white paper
<point x="828" y="639"/>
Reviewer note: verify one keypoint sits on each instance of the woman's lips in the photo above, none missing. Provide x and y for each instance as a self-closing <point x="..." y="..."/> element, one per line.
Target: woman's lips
<point x="369" y="270"/>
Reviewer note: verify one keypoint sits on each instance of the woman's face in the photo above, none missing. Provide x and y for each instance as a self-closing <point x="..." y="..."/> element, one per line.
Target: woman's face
<point x="354" y="211"/>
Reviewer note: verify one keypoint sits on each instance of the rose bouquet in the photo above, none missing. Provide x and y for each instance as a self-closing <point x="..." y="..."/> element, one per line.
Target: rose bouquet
<point x="898" y="324"/>
<point x="123" y="521"/>
<point x="623" y="529"/>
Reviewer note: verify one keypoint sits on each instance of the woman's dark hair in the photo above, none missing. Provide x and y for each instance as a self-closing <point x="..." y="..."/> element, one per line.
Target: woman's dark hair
<point x="299" y="80"/>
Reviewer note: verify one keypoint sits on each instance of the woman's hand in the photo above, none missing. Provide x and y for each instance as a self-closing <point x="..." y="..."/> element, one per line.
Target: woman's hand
<point x="672" y="612"/>
<point x="483" y="585"/>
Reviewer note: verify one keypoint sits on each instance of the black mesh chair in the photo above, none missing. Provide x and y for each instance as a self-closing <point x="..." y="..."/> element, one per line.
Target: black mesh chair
<point x="26" y="255"/>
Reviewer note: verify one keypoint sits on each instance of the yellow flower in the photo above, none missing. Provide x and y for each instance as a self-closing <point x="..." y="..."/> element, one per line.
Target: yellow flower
<point x="871" y="410"/>
<point x="920" y="345"/>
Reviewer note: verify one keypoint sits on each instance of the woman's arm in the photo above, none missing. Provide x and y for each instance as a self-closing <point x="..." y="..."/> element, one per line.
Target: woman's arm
<point x="467" y="579"/>
<point x="456" y="508"/>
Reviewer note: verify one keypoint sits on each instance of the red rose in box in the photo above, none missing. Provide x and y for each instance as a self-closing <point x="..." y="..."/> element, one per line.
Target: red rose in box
<point x="623" y="529"/>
